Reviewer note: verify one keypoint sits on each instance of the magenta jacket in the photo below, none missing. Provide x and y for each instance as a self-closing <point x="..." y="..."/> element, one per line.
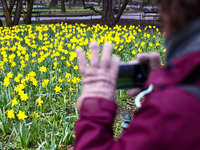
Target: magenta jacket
<point x="169" y="118"/>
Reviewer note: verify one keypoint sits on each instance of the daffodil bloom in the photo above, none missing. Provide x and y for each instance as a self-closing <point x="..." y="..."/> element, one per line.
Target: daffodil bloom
<point x="6" y="81"/>
<point x="32" y="74"/>
<point x="19" y="87"/>
<point x="21" y="92"/>
<point x="35" y="115"/>
<point x="133" y="52"/>
<point x="35" y="83"/>
<point x="43" y="69"/>
<point x="34" y="54"/>
<point x="74" y="80"/>
<point x="39" y="101"/>
<point x="72" y="56"/>
<point x="19" y="75"/>
<point x="13" y="64"/>
<point x="60" y="80"/>
<point x="67" y="75"/>
<point x="68" y="64"/>
<point x="157" y="44"/>
<point x="11" y="114"/>
<point x="75" y="67"/>
<point x="24" y="97"/>
<point x="139" y="50"/>
<point x="142" y="44"/>
<point x="58" y="89"/>
<point x="14" y="102"/>
<point x="21" y="115"/>
<point x="45" y="83"/>
<point x="151" y="45"/>
<point x="62" y="58"/>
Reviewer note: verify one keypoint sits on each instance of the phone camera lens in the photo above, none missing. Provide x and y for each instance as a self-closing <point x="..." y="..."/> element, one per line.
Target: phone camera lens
<point x="139" y="76"/>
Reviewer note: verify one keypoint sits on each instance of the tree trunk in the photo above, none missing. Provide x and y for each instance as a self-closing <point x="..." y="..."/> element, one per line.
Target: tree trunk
<point x="70" y="2"/>
<point x="11" y="5"/>
<point x="1" y="24"/>
<point x="110" y="10"/>
<point x="17" y="12"/>
<point x="99" y="2"/>
<point x="63" y="6"/>
<point x="114" y="3"/>
<point x="29" y="12"/>
<point x="107" y="10"/>
<point x="142" y="4"/>
<point x="119" y="4"/>
<point x="6" y="13"/>
<point x="74" y="2"/>
<point x="53" y="3"/>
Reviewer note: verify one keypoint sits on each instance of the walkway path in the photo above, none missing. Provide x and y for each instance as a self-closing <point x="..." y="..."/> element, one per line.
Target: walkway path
<point x="135" y="16"/>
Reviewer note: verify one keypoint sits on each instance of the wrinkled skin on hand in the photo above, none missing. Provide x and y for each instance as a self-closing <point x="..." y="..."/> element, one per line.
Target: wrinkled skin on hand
<point x="99" y="78"/>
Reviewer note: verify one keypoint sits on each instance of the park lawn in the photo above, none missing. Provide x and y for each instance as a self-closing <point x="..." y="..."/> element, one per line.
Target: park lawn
<point x="40" y="80"/>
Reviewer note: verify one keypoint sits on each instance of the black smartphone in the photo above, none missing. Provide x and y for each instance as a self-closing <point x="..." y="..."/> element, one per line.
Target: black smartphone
<point x="132" y="75"/>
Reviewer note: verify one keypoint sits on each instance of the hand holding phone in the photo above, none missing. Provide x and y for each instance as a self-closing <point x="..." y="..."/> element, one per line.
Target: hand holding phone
<point x="132" y="75"/>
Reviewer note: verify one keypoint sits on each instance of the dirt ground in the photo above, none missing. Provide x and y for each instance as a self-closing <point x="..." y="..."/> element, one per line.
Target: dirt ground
<point x="142" y="23"/>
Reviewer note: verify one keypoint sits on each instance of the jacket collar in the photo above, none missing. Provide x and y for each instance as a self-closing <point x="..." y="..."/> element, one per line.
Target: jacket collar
<point x="182" y="56"/>
<point x="183" y="42"/>
<point x="182" y="67"/>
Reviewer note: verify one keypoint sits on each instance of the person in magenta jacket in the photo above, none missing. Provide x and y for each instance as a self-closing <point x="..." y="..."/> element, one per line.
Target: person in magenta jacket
<point x="169" y="116"/>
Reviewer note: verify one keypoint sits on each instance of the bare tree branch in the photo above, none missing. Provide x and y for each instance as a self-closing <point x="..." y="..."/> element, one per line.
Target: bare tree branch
<point x="91" y="7"/>
<point x="120" y="12"/>
<point x="108" y="7"/>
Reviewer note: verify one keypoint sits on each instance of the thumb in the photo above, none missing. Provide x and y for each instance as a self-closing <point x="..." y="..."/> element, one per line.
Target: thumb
<point x="154" y="61"/>
<point x="133" y="92"/>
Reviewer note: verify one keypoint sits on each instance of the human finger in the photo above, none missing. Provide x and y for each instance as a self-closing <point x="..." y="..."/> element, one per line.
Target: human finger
<point x="94" y="54"/>
<point x="133" y="62"/>
<point x="106" y="55"/>
<point x="154" y="59"/>
<point x="81" y="60"/>
<point x="115" y="65"/>
<point x="143" y="58"/>
<point x="133" y="92"/>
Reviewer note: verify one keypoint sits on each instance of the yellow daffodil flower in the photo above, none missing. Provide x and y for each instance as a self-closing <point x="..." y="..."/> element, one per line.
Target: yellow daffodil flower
<point x="39" y="101"/>
<point x="14" y="102"/>
<point x="11" y="114"/>
<point x="21" y="115"/>
<point x="58" y="89"/>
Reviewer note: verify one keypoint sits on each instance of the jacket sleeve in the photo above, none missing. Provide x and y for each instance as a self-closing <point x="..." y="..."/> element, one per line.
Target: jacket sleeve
<point x="94" y="128"/>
